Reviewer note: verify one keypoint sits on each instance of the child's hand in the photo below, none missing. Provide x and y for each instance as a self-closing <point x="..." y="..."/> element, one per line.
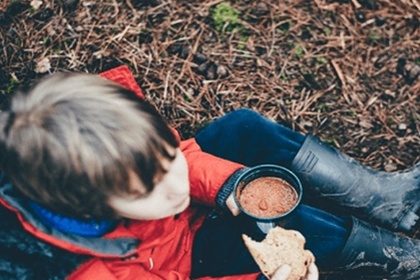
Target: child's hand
<point x="231" y="205"/>
<point x="283" y="272"/>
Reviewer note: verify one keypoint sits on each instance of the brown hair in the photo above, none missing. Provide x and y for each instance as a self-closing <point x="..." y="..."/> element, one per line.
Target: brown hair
<point x="69" y="142"/>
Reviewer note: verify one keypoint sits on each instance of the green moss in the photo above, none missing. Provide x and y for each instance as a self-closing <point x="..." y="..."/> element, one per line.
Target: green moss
<point x="11" y="86"/>
<point x="327" y="31"/>
<point x="323" y="107"/>
<point x="224" y="16"/>
<point x="321" y="60"/>
<point x="374" y="37"/>
<point x="299" y="51"/>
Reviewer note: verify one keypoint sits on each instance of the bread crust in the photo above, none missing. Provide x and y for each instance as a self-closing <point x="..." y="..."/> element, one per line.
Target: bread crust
<point x="280" y="246"/>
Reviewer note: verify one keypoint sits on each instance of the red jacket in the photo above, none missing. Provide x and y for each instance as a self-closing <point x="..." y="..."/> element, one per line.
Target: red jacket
<point x="147" y="250"/>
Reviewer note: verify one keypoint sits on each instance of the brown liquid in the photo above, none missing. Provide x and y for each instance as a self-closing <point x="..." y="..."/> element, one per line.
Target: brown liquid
<point x="267" y="197"/>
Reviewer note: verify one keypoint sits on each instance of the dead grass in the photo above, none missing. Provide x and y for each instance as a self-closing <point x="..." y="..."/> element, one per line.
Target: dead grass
<point x="346" y="71"/>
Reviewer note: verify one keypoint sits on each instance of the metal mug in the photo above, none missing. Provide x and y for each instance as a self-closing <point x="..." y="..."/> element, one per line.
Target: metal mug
<point x="267" y="170"/>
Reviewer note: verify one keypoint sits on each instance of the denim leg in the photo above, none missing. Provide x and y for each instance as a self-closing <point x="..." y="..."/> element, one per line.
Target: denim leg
<point x="246" y="137"/>
<point x="325" y="233"/>
<point x="218" y="248"/>
<point x="249" y="138"/>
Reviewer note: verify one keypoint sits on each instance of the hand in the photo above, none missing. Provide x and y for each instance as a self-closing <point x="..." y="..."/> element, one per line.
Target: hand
<point x="231" y="205"/>
<point x="284" y="270"/>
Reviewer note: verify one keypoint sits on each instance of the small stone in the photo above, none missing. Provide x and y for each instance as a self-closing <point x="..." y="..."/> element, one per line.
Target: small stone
<point x="222" y="71"/>
<point x="36" y="4"/>
<point x="389" y="167"/>
<point x="379" y="21"/>
<point x="261" y="9"/>
<point x="211" y="72"/>
<point x="191" y="92"/>
<point x="43" y="65"/>
<point x="16" y="8"/>
<point x="4" y="19"/>
<point x="71" y="5"/>
<point x="413" y="72"/>
<point x="202" y="68"/>
<point x="185" y="50"/>
<point x="199" y="58"/>
<point x="360" y="17"/>
<point x="370" y="4"/>
<point x="402" y="126"/>
<point x="44" y="15"/>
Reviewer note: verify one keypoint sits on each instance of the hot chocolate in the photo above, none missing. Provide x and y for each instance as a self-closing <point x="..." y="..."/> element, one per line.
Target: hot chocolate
<point x="267" y="197"/>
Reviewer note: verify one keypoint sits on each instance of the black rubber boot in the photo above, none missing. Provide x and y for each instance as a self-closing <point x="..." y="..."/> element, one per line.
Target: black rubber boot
<point x="388" y="199"/>
<point x="377" y="253"/>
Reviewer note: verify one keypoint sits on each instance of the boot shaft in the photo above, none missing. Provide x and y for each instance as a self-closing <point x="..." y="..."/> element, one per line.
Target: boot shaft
<point x="388" y="199"/>
<point x="376" y="252"/>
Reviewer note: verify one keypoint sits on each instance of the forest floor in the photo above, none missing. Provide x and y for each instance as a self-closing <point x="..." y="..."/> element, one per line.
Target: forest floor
<point x="346" y="71"/>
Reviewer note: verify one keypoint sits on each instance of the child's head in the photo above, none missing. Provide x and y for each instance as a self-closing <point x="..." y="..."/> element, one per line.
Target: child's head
<point x="72" y="141"/>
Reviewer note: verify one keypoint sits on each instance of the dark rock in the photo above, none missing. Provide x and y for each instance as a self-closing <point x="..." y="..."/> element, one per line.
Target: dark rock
<point x="310" y="80"/>
<point x="142" y="4"/>
<point x="412" y="72"/>
<point x="180" y="50"/>
<point x="199" y="58"/>
<point x="174" y="49"/>
<point x="71" y="5"/>
<point x="202" y="68"/>
<point x="207" y="69"/>
<point x="260" y="50"/>
<point x="145" y="37"/>
<point x="185" y="50"/>
<point x="379" y="21"/>
<point x="16" y="8"/>
<point x="44" y="15"/>
<point x="222" y="71"/>
<point x="306" y="34"/>
<point x="110" y="64"/>
<point x="360" y="16"/>
<point x="370" y="4"/>
<point x="401" y="65"/>
<point x="381" y="60"/>
<point x="261" y="9"/>
<point x="4" y="18"/>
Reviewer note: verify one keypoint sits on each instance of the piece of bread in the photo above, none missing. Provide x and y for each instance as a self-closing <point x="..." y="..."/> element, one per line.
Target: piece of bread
<point x="280" y="246"/>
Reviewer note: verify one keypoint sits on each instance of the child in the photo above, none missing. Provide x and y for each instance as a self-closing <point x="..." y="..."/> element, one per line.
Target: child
<point x="96" y="172"/>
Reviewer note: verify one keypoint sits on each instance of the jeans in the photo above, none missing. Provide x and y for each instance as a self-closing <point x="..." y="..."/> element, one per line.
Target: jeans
<point x="246" y="137"/>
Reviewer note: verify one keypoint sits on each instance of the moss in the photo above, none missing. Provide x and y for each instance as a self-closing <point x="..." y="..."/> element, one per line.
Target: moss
<point x="11" y="86"/>
<point x="225" y="17"/>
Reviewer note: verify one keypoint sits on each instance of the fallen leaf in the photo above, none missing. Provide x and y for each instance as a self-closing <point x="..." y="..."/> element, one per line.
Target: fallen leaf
<point x="36" y="4"/>
<point x="43" y="65"/>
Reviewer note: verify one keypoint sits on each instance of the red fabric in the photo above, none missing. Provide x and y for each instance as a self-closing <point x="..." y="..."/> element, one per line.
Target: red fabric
<point x="166" y="245"/>
<point x="123" y="76"/>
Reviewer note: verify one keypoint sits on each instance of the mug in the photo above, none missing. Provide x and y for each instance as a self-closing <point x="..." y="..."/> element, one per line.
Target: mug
<point x="265" y="223"/>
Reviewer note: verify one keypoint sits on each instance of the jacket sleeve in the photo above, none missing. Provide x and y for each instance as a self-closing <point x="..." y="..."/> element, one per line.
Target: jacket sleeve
<point x="98" y="269"/>
<point x="207" y="173"/>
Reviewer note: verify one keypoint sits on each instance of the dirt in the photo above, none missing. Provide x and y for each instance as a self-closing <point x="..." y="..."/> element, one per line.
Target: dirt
<point x="346" y="71"/>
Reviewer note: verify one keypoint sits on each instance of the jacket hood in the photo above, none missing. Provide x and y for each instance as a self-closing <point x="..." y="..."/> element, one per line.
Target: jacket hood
<point x="97" y="246"/>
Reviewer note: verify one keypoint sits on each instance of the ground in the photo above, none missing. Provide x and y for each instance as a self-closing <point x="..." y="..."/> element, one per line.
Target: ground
<point x="346" y="71"/>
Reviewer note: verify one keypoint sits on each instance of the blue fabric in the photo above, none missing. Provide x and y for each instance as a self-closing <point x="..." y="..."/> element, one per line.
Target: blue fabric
<point x="219" y="249"/>
<point x="325" y="233"/>
<point x="89" y="228"/>
<point x="247" y="137"/>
